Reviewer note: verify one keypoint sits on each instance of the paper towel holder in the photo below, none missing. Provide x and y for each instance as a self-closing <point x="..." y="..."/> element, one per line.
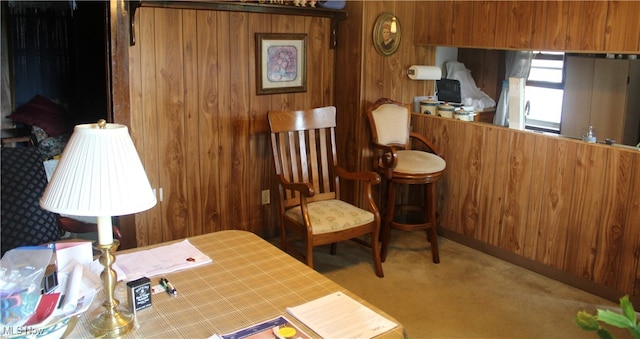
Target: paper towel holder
<point x="432" y="72"/>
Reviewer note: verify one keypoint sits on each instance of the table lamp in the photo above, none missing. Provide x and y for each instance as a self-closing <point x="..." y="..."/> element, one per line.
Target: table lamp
<point x="100" y="174"/>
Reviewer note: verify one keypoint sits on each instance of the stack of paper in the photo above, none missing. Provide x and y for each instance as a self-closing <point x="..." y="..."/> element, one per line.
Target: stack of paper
<point x="339" y="316"/>
<point x="159" y="260"/>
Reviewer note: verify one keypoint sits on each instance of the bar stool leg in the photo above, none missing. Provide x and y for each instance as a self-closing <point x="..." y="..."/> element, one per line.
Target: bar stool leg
<point x="432" y="231"/>
<point x="388" y="219"/>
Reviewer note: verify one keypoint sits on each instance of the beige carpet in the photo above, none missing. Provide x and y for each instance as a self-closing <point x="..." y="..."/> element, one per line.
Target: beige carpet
<point x="468" y="295"/>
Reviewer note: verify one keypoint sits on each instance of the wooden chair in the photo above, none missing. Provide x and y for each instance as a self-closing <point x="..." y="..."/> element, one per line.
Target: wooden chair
<point x="304" y="152"/>
<point x="398" y="163"/>
<point x="24" y="222"/>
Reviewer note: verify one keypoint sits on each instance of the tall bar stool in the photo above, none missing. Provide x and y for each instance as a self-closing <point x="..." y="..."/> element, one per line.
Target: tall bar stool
<point x="398" y="164"/>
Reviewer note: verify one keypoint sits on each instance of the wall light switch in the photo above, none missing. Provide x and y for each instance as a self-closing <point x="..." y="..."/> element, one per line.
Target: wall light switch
<point x="266" y="197"/>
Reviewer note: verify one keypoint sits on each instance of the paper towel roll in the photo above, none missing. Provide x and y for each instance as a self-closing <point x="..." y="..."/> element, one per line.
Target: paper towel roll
<point x="424" y="73"/>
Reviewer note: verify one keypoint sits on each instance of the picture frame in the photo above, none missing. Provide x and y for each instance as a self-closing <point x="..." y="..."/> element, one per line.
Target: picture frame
<point x="385" y="42"/>
<point x="281" y="63"/>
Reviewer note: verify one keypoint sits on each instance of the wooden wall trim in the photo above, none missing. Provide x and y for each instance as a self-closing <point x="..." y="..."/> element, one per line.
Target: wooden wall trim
<point x="334" y="14"/>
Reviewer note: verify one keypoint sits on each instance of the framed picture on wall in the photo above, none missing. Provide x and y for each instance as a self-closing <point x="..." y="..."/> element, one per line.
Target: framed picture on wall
<point x="281" y="63"/>
<point x="386" y="34"/>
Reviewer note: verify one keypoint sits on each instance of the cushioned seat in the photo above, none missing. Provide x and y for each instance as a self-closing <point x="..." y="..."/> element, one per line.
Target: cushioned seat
<point x="331" y="216"/>
<point x="416" y="162"/>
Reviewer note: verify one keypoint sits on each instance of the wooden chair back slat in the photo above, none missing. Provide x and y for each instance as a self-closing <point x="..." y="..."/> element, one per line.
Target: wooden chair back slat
<point x="305" y="150"/>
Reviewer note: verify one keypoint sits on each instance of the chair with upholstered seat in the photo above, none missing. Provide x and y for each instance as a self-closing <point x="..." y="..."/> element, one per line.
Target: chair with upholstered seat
<point x="399" y="163"/>
<point x="304" y="152"/>
<point x="24" y="222"/>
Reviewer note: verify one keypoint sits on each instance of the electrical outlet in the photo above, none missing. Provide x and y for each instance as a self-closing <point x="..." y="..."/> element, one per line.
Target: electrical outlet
<point x="266" y="197"/>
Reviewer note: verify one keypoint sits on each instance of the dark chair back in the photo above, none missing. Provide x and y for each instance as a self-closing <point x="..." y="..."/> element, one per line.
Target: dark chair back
<point x="24" y="180"/>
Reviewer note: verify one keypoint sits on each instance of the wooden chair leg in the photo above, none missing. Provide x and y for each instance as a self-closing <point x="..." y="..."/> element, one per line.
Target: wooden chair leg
<point x="430" y="202"/>
<point x="377" y="261"/>
<point x="309" y="254"/>
<point x="385" y="228"/>
<point x="334" y="248"/>
<point x="283" y="239"/>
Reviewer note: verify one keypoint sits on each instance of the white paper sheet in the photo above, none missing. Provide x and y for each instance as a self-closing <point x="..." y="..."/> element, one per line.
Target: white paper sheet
<point x="159" y="260"/>
<point x="339" y="316"/>
<point x="68" y="252"/>
<point x="72" y="292"/>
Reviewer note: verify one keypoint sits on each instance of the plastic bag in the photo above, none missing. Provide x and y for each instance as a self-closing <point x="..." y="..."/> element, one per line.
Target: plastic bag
<point x="21" y="273"/>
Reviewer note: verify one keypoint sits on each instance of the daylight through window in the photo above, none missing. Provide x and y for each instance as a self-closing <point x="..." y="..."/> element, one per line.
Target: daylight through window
<point x="544" y="91"/>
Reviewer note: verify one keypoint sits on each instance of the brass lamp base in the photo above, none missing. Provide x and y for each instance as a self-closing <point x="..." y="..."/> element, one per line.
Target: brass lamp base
<point x="112" y="325"/>
<point x="112" y="322"/>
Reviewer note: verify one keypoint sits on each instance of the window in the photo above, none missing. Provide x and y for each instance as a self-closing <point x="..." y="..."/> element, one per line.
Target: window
<point x="544" y="91"/>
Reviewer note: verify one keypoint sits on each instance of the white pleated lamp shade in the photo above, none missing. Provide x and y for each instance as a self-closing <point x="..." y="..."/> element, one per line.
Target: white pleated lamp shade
<point x="99" y="174"/>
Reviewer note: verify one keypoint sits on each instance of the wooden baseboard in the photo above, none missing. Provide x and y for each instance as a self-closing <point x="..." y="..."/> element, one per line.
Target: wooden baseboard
<point x="548" y="271"/>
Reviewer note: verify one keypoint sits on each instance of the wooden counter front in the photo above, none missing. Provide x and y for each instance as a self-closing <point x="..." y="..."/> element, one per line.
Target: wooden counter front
<point x="561" y="207"/>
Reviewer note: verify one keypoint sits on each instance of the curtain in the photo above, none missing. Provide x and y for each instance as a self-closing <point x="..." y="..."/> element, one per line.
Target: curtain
<point x="518" y="65"/>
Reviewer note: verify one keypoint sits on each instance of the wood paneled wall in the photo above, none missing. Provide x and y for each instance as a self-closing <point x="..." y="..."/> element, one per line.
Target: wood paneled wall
<point x="566" y="204"/>
<point x="198" y="124"/>
<point x="364" y="76"/>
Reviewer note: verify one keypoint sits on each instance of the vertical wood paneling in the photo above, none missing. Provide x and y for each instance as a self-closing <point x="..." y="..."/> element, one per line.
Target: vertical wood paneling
<point x="503" y="12"/>
<point x="454" y="170"/>
<point x="208" y="127"/>
<point x="319" y="82"/>
<point x="136" y="126"/>
<point x="171" y="124"/>
<point x="441" y="135"/>
<point x="470" y="180"/>
<point x="514" y="215"/>
<point x="585" y="213"/>
<point x="539" y="24"/>
<point x="374" y="72"/>
<point x="520" y="22"/>
<point x="629" y="273"/>
<point x="611" y="229"/>
<point x="461" y="30"/>
<point x="151" y="132"/>
<point x="538" y="169"/>
<point x="555" y="205"/>
<point x="225" y="117"/>
<point x="191" y="123"/>
<point x="575" y="25"/>
<point x="399" y="65"/>
<point x="555" y="33"/>
<point x="498" y="199"/>
<point x="437" y="19"/>
<point x="593" y="30"/>
<point x="486" y="231"/>
<point x="622" y="30"/>
<point x="263" y="217"/>
<point x="240" y="184"/>
<point x="484" y="23"/>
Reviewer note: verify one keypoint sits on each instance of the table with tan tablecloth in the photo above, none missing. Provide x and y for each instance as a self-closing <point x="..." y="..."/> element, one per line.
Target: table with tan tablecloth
<point x="249" y="281"/>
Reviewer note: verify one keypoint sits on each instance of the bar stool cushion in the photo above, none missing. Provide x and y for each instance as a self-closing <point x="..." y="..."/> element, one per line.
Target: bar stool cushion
<point x="331" y="215"/>
<point x="419" y="162"/>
